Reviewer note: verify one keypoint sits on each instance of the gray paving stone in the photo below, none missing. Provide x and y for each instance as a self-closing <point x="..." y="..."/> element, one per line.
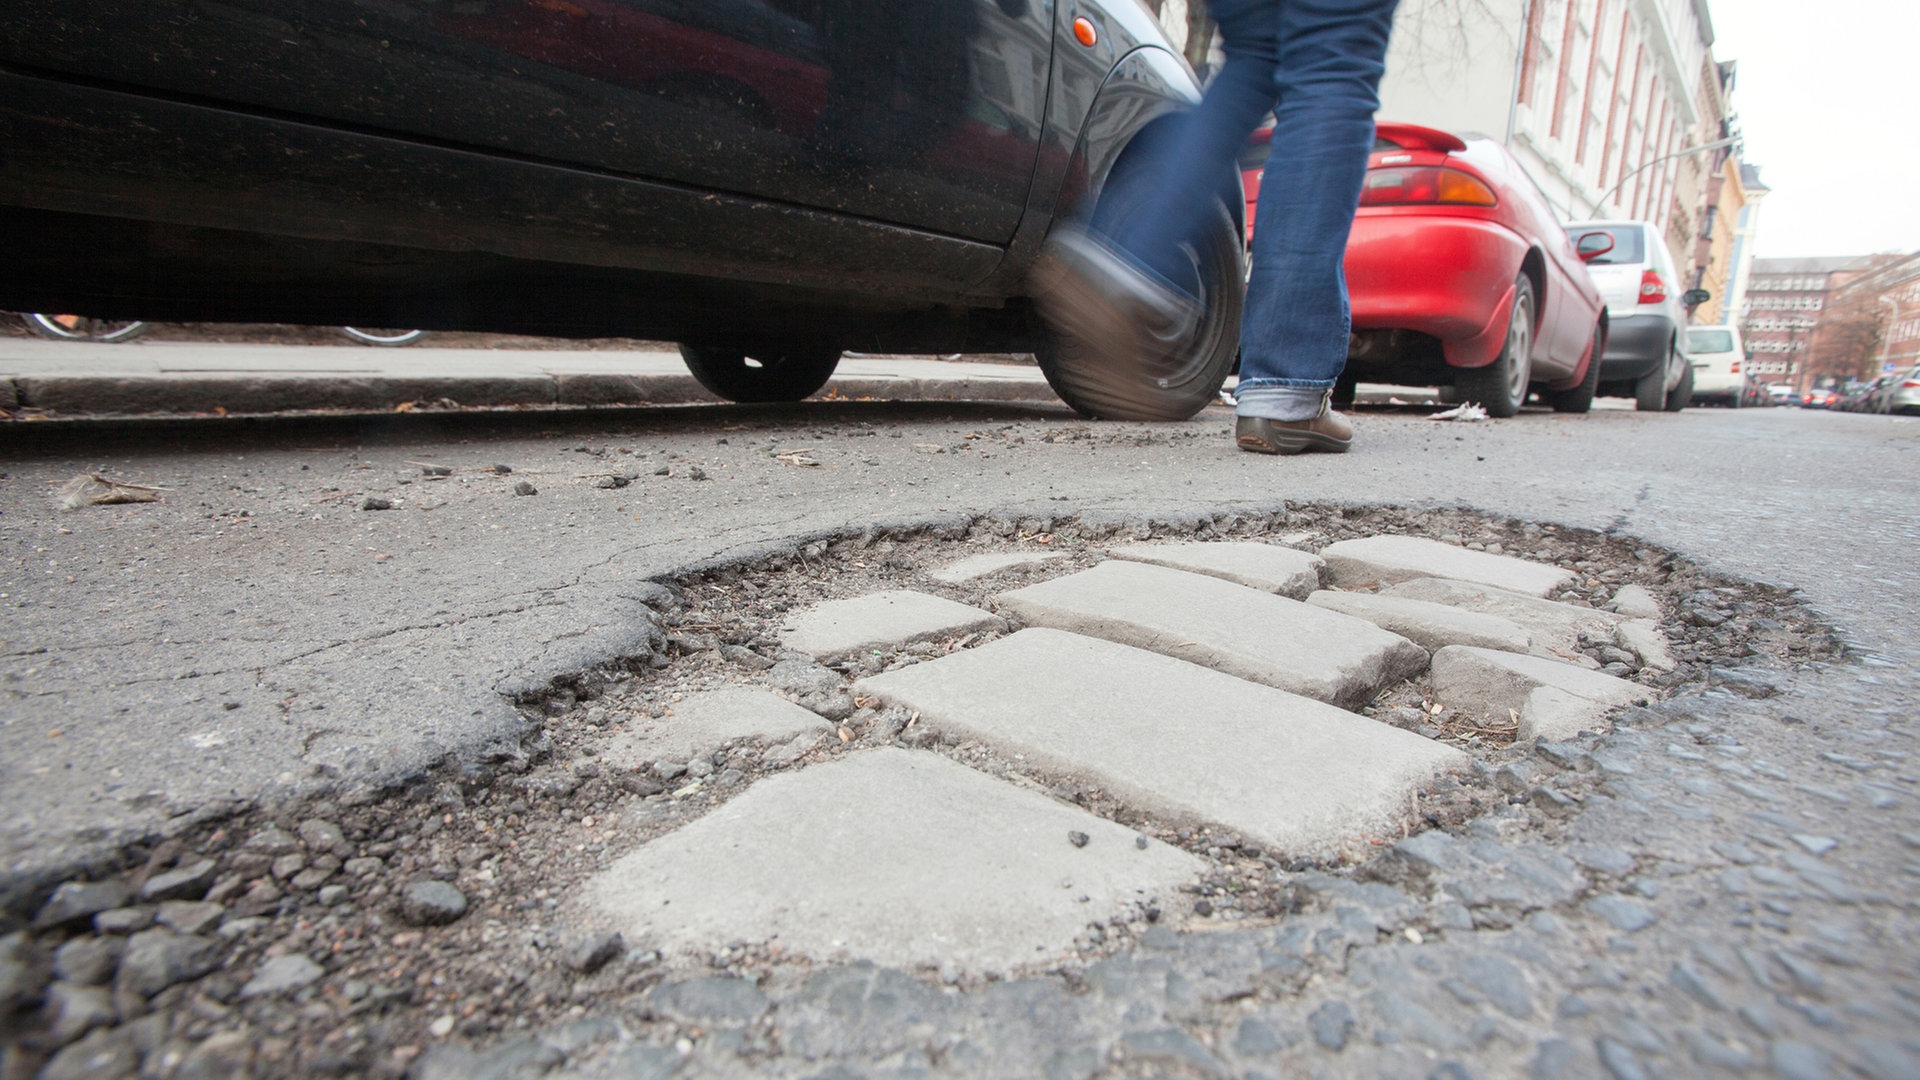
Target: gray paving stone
<point x="1177" y="739"/>
<point x="895" y="856"/>
<point x="1267" y="567"/>
<point x="1231" y="628"/>
<point x="1642" y="638"/>
<point x="1554" y="627"/>
<point x="707" y="720"/>
<point x="979" y="566"/>
<point x="1378" y="559"/>
<point x="1426" y="624"/>
<point x="882" y="620"/>
<point x="1551" y="713"/>
<point x="1635" y="602"/>
<point x="1494" y="683"/>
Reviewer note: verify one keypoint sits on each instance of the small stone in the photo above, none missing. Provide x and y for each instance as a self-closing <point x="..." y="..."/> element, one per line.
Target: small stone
<point x="1332" y="1025"/>
<point x="363" y="866"/>
<point x="189" y="916"/>
<point x="77" y="901"/>
<point x="88" y="961"/>
<point x="375" y="502"/>
<point x="524" y="488"/>
<point x="699" y="768"/>
<point x="590" y="954"/>
<point x="431" y="903"/>
<point x="281" y="975"/>
<point x="222" y="1054"/>
<point x="332" y="895"/>
<point x="273" y="841"/>
<point x="286" y="866"/>
<point x="1077" y="838"/>
<point x="1798" y="1061"/>
<point x="1553" y="1059"/>
<point x="187" y="883"/>
<point x="124" y="920"/>
<point x="238" y="928"/>
<point x="261" y="898"/>
<point x="322" y="837"/>
<point x="311" y="878"/>
<point x="1817" y="845"/>
<point x="612" y="481"/>
<point x="501" y="470"/>
<point x="695" y="472"/>
<point x="73" y="1010"/>
<point x="1620" y="1061"/>
<point x="157" y="959"/>
<point x="669" y="770"/>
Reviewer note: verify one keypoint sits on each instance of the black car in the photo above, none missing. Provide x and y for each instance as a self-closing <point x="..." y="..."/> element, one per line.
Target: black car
<point x="768" y="182"/>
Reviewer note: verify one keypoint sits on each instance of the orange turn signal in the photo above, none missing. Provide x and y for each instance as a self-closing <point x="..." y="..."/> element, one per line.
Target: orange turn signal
<point x="1084" y="33"/>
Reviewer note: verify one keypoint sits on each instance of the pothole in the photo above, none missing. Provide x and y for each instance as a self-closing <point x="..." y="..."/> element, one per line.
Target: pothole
<point x="327" y="881"/>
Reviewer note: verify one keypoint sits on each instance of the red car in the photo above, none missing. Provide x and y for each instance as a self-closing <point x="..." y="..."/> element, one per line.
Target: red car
<point x="1461" y="275"/>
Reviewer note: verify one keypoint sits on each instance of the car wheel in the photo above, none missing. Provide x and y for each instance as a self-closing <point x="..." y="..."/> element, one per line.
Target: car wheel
<point x="1501" y="387"/>
<point x="1682" y="395"/>
<point x="1580" y="398"/>
<point x="1184" y="384"/>
<point x="760" y="375"/>
<point x="81" y="328"/>
<point x="1650" y="390"/>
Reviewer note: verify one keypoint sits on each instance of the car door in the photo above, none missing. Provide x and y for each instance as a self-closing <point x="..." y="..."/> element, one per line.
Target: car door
<point x="924" y="113"/>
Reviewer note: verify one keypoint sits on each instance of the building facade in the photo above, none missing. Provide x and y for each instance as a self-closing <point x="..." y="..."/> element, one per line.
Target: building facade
<point x="1601" y="100"/>
<point x="1784" y="304"/>
<point x="1876" y="315"/>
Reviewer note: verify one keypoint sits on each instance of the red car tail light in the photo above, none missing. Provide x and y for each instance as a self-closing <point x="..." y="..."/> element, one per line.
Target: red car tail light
<point x="1910" y="384"/>
<point x="1652" y="289"/>
<point x="1402" y="186"/>
<point x="1736" y="367"/>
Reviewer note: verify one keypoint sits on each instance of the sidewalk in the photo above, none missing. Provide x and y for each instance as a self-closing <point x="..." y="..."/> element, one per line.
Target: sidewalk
<point x="66" y="379"/>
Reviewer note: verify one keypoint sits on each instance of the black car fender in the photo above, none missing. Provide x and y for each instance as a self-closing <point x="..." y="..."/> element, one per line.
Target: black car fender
<point x="1127" y="116"/>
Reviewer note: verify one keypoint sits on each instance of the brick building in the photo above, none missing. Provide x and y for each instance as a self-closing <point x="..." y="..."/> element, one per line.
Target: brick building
<point x="1882" y="308"/>
<point x="1780" y="318"/>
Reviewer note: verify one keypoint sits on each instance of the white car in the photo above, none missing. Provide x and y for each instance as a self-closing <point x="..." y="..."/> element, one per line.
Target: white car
<point x="1646" y="357"/>
<point x="1717" y="355"/>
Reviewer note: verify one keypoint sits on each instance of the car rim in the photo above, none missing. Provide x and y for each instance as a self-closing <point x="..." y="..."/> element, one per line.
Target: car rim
<point x="1184" y="360"/>
<point x="1519" y="352"/>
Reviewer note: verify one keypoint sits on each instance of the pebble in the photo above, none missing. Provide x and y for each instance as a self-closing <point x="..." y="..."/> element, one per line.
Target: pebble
<point x="322" y="837"/>
<point x="1552" y="1060"/>
<point x="272" y="841"/>
<point x="88" y="961"/>
<point x="1798" y="1061"/>
<point x="186" y="883"/>
<point x="124" y="920"/>
<point x="332" y="895"/>
<point x="592" y="953"/>
<point x="1818" y="845"/>
<point x="524" y="488"/>
<point x="1630" y="916"/>
<point x="77" y="901"/>
<point x="363" y="866"/>
<point x="1620" y="1062"/>
<point x="189" y="916"/>
<point x="1077" y="838"/>
<point x="374" y="502"/>
<point x="282" y="975"/>
<point x="157" y="959"/>
<point x="431" y="903"/>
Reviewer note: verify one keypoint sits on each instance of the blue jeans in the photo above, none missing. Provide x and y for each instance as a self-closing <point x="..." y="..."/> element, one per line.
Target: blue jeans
<point x="1316" y="65"/>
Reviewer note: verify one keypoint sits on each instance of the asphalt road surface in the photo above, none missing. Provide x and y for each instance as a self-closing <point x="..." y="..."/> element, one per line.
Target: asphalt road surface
<point x="267" y="628"/>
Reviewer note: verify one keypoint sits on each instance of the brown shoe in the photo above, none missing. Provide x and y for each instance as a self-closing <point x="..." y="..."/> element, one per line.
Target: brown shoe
<point x="1328" y="433"/>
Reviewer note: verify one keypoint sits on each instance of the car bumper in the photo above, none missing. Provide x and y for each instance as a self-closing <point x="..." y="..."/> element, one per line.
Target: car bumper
<point x="1636" y="345"/>
<point x="1449" y="278"/>
<point x="1707" y="381"/>
<point x="1904" y="398"/>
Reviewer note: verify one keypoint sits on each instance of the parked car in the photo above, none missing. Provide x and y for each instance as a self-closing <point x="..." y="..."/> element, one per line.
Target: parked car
<point x="1820" y="397"/>
<point x="767" y="183"/>
<point x="1460" y="276"/>
<point x="1646" y="356"/>
<point x="1782" y="394"/>
<point x="1903" y="395"/>
<point x="1718" y="356"/>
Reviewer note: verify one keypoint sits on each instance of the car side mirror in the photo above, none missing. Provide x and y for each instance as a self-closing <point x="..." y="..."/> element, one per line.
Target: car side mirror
<point x="1592" y="245"/>
<point x="1695" y="297"/>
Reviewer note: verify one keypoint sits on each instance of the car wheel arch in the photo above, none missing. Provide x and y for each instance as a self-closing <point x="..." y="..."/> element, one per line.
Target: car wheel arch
<point x="1534" y="265"/>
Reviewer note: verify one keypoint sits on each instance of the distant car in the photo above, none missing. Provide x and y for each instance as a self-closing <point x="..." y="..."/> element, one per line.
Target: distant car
<point x="1820" y="397"/>
<point x="1717" y="357"/>
<point x="1782" y="394"/>
<point x="1460" y="276"/>
<point x="1903" y="396"/>
<point x="766" y="182"/>
<point x="1646" y="356"/>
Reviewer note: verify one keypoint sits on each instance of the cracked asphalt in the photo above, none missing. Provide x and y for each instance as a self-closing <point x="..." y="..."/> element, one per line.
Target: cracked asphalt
<point x="258" y="633"/>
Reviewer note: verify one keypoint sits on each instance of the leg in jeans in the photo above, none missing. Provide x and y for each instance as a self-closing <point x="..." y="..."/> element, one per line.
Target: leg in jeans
<point x="1194" y="162"/>
<point x="1294" y="336"/>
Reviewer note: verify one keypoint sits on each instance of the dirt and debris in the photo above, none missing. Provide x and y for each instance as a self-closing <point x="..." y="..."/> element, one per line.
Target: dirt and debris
<point x="93" y="489"/>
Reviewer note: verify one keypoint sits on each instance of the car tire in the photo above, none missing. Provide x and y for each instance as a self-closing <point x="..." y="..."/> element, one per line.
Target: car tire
<point x="80" y="328"/>
<point x="1650" y="390"/>
<point x="1682" y="395"/>
<point x="1085" y="381"/>
<point x="1580" y="398"/>
<point x="1501" y="387"/>
<point x="761" y="375"/>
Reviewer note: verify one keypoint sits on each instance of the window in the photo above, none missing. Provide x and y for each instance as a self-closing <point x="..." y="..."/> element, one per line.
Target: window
<point x="1629" y="246"/>
<point x="1712" y="341"/>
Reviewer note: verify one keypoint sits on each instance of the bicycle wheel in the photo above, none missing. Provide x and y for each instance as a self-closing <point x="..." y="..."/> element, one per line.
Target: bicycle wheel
<point x="382" y="335"/>
<point x="81" y="328"/>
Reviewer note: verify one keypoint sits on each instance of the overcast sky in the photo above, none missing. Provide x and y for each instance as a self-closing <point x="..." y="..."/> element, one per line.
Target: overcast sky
<point x="1828" y="105"/>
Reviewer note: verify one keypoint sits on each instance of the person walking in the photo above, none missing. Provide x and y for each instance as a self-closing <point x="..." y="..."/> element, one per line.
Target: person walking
<point x="1316" y="66"/>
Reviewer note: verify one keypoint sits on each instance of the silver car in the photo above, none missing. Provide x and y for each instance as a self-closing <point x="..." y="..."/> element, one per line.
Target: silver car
<point x="1902" y="395"/>
<point x="1646" y="357"/>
